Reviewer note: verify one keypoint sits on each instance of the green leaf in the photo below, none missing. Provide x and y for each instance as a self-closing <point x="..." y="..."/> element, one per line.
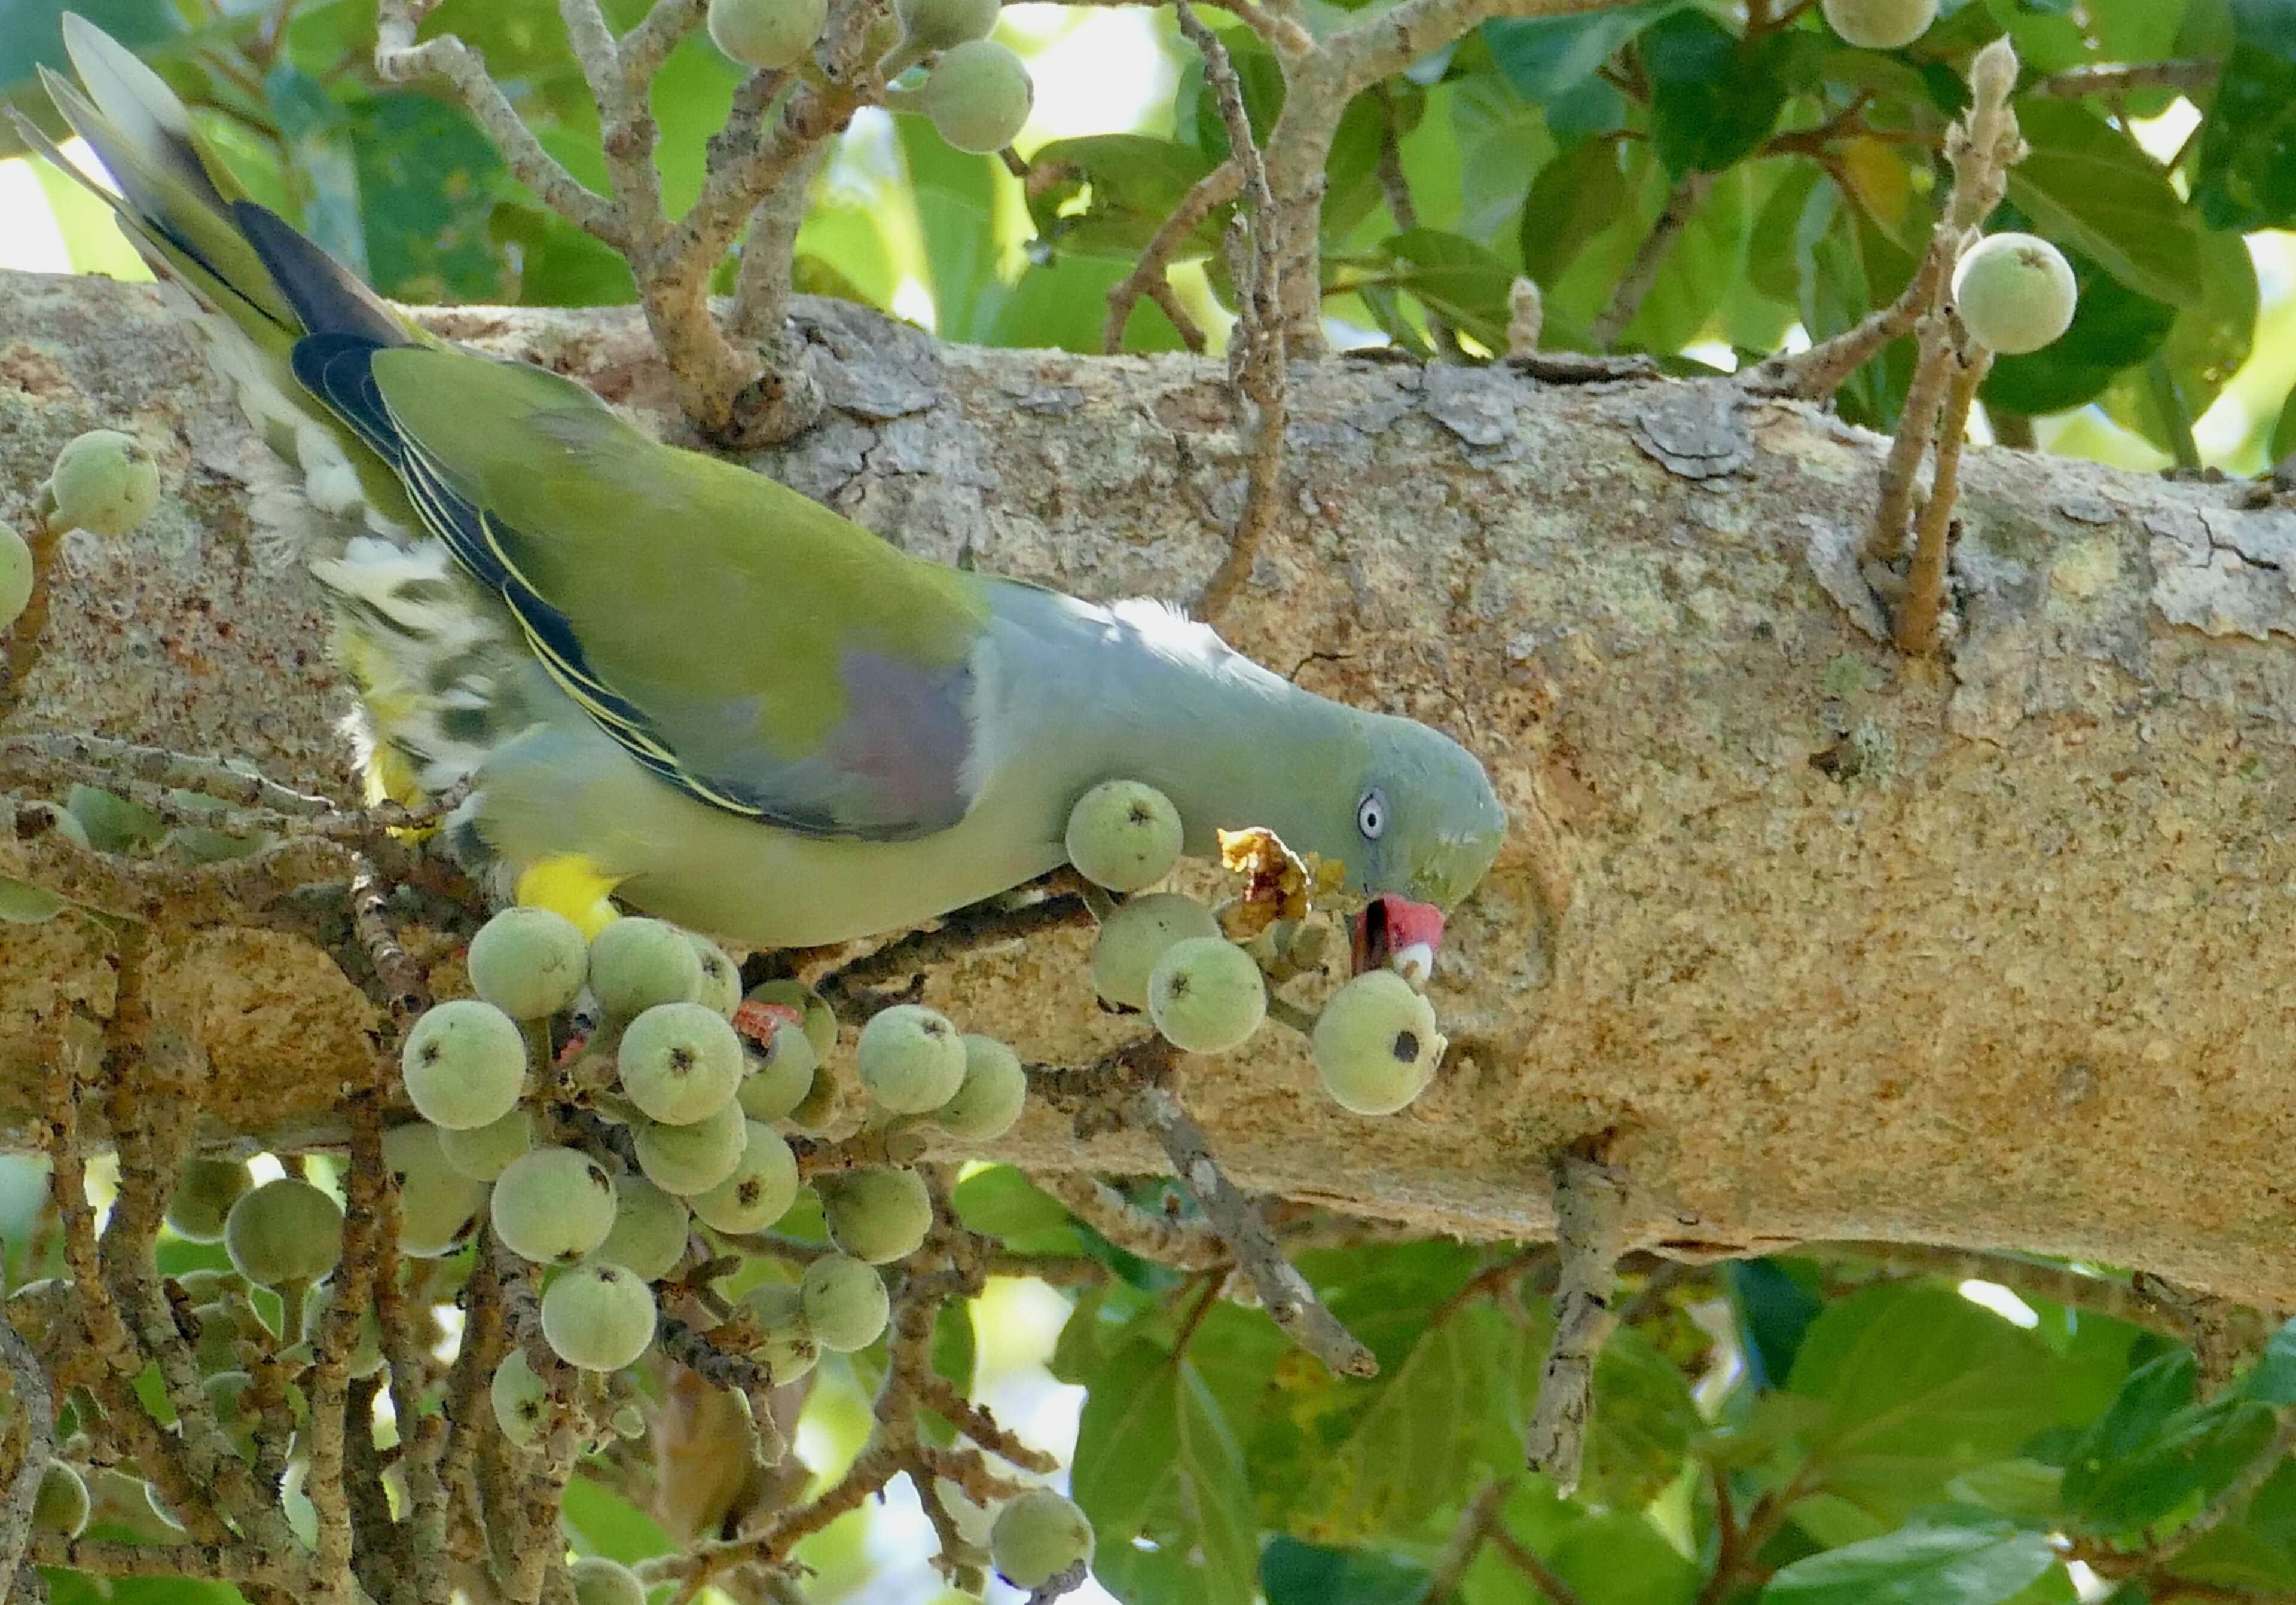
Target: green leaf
<point x="2237" y="1556"/>
<point x="1155" y="1461"/>
<point x="1845" y="267"/>
<point x="2195" y="1453"/>
<point x="1714" y="98"/>
<point x="2206" y="345"/>
<point x="1918" y="1564"/>
<point x="1769" y="1427"/>
<point x="1000" y="1202"/>
<point x="2087" y="185"/>
<point x="2148" y="1400"/>
<point x="559" y="265"/>
<point x="1106" y="194"/>
<point x="1619" y="1558"/>
<point x="1920" y="1384"/>
<point x="956" y="200"/>
<point x="1451" y="1404"/>
<point x="1774" y="1306"/>
<point x="691" y="97"/>
<point x="953" y="1357"/>
<point x="428" y="181"/>
<point x="32" y="37"/>
<point x="323" y="170"/>
<point x="2019" y="1487"/>
<point x="604" y="1523"/>
<point x="1352" y="188"/>
<point x="1701" y="280"/>
<point x="1643" y="1419"/>
<point x="1238" y="1352"/>
<point x="1063" y="305"/>
<point x="1452" y="276"/>
<point x="1495" y="140"/>
<point x="2246" y="175"/>
<point x="848" y="239"/>
<point x="1573" y="199"/>
<point x="2283" y="432"/>
<point x="77" y="1588"/>
<point x="1292" y="1573"/>
<point x="1544" y="57"/>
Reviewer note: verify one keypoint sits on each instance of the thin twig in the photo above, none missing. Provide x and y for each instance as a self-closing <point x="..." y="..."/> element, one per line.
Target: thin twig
<point x="1185" y="1246"/>
<point x="2221" y="1332"/>
<point x="983" y="926"/>
<point x="1933" y="368"/>
<point x="181" y="896"/>
<point x="1919" y="615"/>
<point x="1634" y="285"/>
<point x="148" y="776"/>
<point x="1589" y="1203"/>
<point x="121" y="1558"/>
<point x="1982" y="149"/>
<point x="1257" y="356"/>
<point x="406" y="988"/>
<point x="627" y="134"/>
<point x="2184" y="73"/>
<point x="1467" y="1539"/>
<point x="399" y="59"/>
<point x="2137" y="1300"/>
<point x="1520" y="1556"/>
<point x="762" y="288"/>
<point x="1284" y="1293"/>
<point x="646" y="46"/>
<point x="1213" y="191"/>
<point x="36" y="1419"/>
<point x="937" y="1393"/>
<point x="1286" y="32"/>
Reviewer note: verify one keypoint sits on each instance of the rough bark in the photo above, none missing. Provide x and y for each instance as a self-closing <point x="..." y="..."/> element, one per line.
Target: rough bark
<point x="2002" y="953"/>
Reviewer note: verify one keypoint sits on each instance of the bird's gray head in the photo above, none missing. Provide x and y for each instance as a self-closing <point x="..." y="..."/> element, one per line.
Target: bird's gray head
<point x="1408" y="810"/>
<point x="1423" y="822"/>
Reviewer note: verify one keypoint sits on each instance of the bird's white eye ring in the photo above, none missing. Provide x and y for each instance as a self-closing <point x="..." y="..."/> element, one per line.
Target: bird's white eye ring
<point x="1371" y="815"/>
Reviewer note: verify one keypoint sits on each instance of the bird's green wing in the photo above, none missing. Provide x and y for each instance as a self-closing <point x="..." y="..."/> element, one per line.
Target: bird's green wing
<point x="750" y="645"/>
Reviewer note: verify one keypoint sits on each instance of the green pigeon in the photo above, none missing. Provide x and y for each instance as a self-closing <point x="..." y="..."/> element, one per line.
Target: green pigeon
<point x="671" y="680"/>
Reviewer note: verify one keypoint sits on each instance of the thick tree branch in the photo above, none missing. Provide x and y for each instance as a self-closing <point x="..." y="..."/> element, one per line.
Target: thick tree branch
<point x="1694" y="935"/>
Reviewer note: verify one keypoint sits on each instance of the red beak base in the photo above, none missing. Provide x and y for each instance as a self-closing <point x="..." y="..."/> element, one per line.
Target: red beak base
<point x="1398" y="934"/>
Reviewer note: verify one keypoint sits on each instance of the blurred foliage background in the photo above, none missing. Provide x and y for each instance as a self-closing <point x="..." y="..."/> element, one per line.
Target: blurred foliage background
<point x="1808" y="1430"/>
<point x="1546" y="148"/>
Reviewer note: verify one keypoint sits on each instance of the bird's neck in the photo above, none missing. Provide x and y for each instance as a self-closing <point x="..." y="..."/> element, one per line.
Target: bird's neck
<point x="1136" y="695"/>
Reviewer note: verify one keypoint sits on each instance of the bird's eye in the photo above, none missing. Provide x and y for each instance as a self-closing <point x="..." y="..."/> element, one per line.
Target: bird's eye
<point x="1371" y="815"/>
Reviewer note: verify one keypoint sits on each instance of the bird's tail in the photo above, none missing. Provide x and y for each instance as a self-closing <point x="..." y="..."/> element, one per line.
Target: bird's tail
<point x="433" y="659"/>
<point x="264" y="285"/>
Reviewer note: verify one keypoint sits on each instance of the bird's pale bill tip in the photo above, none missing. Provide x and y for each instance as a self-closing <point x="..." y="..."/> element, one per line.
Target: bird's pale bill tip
<point x="1398" y="934"/>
